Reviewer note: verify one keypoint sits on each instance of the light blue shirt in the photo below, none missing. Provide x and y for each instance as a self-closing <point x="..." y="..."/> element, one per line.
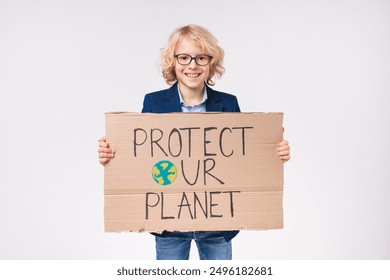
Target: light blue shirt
<point x="196" y="108"/>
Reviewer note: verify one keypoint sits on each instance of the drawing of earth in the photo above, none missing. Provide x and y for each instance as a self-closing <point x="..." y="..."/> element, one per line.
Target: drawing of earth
<point x="164" y="172"/>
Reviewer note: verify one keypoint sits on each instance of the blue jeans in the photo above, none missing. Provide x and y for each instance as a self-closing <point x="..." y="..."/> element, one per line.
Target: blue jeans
<point x="176" y="245"/>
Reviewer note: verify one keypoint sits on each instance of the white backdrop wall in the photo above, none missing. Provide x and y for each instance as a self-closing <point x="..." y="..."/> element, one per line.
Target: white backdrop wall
<point x="325" y="64"/>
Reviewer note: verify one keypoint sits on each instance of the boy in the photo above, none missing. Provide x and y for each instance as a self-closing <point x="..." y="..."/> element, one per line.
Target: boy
<point x="190" y="62"/>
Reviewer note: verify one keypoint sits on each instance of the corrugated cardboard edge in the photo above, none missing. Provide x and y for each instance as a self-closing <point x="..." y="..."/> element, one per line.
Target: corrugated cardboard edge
<point x="142" y="230"/>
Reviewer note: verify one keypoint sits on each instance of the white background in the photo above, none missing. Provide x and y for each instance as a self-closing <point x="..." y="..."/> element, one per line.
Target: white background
<point x="325" y="64"/>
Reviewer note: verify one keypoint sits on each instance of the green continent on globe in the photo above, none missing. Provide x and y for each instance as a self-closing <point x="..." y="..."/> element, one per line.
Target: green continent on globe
<point x="164" y="172"/>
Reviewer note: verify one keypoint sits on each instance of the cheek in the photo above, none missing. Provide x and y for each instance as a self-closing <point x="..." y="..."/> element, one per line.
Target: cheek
<point x="207" y="71"/>
<point x="178" y="69"/>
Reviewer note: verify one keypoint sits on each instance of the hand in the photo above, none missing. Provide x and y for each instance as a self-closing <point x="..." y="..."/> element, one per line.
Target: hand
<point x="284" y="150"/>
<point x="105" y="152"/>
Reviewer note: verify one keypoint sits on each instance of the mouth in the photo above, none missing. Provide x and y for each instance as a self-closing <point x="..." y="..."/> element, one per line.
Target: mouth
<point x="192" y="75"/>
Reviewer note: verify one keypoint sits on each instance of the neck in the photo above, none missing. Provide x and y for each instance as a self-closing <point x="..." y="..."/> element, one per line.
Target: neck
<point x="191" y="96"/>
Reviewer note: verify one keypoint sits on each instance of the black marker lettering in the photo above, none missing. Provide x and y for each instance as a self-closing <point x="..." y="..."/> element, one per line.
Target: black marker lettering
<point x="205" y="141"/>
<point x="220" y="141"/>
<point x="207" y="171"/>
<point x="135" y="139"/>
<point x="175" y="130"/>
<point x="243" y="136"/>
<point x="147" y="205"/>
<point x="156" y="141"/>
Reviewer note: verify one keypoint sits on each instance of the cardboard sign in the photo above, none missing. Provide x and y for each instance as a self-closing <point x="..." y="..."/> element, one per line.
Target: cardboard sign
<point x="193" y="172"/>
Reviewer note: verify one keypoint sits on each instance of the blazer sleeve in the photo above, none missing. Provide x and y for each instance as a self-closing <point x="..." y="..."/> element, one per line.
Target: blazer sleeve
<point x="146" y="106"/>
<point x="236" y="107"/>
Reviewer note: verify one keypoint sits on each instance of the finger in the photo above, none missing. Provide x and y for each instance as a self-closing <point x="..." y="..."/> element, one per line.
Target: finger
<point x="283" y="143"/>
<point x="105" y="150"/>
<point x="284" y="153"/>
<point x="285" y="158"/>
<point x="283" y="148"/>
<point x="106" y="155"/>
<point x="103" y="144"/>
<point x="104" y="161"/>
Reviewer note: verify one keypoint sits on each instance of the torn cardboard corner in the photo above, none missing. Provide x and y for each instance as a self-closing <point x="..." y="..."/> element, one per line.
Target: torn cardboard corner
<point x="193" y="172"/>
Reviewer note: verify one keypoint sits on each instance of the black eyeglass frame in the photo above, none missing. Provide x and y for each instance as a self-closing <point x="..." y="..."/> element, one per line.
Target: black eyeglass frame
<point x="193" y="58"/>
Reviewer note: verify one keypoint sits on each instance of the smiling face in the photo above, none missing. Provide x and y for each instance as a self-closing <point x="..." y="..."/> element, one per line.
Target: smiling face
<point x="192" y="77"/>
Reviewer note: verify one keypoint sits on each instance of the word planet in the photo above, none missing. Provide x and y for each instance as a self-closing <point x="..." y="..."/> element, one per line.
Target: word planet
<point x="164" y="172"/>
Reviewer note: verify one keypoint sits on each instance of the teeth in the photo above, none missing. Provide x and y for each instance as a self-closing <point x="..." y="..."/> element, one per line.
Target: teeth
<point x="192" y="75"/>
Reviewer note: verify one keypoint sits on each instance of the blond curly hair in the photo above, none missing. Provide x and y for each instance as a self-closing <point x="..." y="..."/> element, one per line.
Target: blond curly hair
<point x="202" y="38"/>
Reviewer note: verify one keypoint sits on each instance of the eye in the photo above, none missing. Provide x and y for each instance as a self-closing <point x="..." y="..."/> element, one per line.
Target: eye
<point x="183" y="57"/>
<point x="202" y="59"/>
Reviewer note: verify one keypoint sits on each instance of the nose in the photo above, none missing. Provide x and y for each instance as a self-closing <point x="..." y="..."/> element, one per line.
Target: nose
<point x="193" y="63"/>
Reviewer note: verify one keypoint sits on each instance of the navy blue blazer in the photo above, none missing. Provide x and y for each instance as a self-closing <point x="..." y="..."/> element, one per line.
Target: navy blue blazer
<point x="168" y="101"/>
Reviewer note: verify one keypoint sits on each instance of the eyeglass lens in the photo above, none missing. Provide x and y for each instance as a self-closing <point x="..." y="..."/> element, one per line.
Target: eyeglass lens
<point x="185" y="59"/>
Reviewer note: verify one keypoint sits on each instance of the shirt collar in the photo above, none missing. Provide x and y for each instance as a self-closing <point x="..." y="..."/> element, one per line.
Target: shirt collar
<point x="204" y="99"/>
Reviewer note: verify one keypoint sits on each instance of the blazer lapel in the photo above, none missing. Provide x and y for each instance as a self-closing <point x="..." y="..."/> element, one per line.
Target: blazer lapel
<point x="172" y="100"/>
<point x="213" y="103"/>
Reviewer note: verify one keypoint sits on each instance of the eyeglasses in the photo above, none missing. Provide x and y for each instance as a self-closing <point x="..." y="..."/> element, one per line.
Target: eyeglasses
<point x="186" y="59"/>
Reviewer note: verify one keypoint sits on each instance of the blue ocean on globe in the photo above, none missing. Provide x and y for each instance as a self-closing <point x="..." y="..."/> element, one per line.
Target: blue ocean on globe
<point x="164" y="172"/>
